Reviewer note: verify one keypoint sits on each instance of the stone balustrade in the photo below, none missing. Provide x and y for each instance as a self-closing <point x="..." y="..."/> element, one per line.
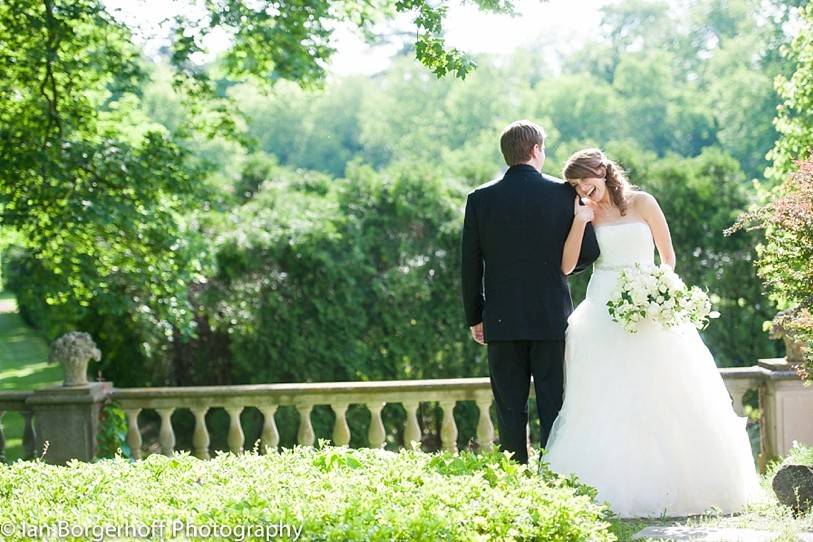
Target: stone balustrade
<point x="267" y="398"/>
<point x="15" y="401"/>
<point x="338" y="395"/>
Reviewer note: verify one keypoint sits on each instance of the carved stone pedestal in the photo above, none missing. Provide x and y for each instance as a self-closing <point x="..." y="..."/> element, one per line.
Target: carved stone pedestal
<point x="788" y="405"/>
<point x="66" y="417"/>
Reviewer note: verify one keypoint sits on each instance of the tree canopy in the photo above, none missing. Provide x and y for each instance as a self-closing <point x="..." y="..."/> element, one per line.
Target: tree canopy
<point x="93" y="184"/>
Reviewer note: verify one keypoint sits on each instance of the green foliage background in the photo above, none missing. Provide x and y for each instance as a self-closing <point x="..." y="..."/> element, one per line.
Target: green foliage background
<point x="250" y="220"/>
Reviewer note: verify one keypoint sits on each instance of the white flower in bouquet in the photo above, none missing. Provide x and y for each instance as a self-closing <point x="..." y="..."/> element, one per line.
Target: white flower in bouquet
<point x="657" y="294"/>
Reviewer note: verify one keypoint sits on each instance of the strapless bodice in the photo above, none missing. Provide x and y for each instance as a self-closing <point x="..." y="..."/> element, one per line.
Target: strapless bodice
<point x="623" y="245"/>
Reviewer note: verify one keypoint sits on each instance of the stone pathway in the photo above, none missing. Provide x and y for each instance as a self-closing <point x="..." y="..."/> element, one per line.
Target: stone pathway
<point x="706" y="534"/>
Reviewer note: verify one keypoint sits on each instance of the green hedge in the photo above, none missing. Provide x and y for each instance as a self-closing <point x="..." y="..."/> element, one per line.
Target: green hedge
<point x="327" y="494"/>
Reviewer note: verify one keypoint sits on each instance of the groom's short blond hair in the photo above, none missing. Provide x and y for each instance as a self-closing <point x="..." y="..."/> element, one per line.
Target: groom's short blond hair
<point x="518" y="140"/>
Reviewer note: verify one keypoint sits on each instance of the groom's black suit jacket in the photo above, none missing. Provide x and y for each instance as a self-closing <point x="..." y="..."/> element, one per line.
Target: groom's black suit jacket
<point x="513" y="237"/>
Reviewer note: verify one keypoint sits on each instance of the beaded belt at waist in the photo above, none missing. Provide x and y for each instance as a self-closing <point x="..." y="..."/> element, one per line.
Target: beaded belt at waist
<point x="610" y="267"/>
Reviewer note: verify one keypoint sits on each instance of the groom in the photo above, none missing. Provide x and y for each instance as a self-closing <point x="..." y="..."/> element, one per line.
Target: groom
<point x="515" y="296"/>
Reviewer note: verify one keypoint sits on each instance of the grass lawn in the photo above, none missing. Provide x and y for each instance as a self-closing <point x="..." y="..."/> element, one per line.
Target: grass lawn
<point x="23" y="366"/>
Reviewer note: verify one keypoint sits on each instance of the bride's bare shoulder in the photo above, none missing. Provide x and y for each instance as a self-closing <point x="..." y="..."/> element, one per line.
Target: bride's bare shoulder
<point x="641" y="200"/>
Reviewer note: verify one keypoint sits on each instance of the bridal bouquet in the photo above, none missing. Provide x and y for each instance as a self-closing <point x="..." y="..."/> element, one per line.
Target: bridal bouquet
<point x="649" y="292"/>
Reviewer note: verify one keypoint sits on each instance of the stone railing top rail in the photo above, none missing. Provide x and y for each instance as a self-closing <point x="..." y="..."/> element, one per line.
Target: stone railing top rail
<point x="337" y="392"/>
<point x="307" y="393"/>
<point x="757" y="372"/>
<point x="14" y="400"/>
<point x="441" y="384"/>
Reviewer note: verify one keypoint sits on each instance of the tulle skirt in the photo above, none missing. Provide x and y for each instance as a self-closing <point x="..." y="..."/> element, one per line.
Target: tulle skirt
<point x="647" y="419"/>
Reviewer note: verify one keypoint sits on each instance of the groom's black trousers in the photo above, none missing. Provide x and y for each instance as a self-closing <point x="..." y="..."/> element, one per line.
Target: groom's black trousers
<point x="511" y="364"/>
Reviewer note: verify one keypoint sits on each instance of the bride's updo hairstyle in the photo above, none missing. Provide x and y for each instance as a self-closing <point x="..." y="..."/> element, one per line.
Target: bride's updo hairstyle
<point x="593" y="163"/>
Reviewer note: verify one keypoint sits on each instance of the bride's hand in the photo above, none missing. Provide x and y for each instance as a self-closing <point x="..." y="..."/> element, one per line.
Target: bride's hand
<point x="584" y="213"/>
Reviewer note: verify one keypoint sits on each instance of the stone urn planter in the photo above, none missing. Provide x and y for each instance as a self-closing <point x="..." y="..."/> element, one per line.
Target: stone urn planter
<point x="782" y="328"/>
<point x="73" y="351"/>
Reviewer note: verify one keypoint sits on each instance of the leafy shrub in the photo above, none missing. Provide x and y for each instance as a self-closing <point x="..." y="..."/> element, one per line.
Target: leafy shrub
<point x="800" y="455"/>
<point x="354" y="279"/>
<point x="785" y="260"/>
<point x="331" y="494"/>
<point x="111" y="437"/>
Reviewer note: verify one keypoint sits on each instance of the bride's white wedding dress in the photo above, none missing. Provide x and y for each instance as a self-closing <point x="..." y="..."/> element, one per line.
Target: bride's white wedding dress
<point x="647" y="419"/>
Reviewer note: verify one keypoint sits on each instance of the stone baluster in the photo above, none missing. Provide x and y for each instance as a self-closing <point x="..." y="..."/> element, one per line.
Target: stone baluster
<point x="341" y="431"/>
<point x="305" y="436"/>
<point x="236" y="436"/>
<point x="448" y="428"/>
<point x="2" y="439"/>
<point x="485" y="429"/>
<point x="376" y="434"/>
<point x="200" y="436"/>
<point x="270" y="436"/>
<point x="133" y="432"/>
<point x="412" y="431"/>
<point x="29" y="435"/>
<point x="166" y="435"/>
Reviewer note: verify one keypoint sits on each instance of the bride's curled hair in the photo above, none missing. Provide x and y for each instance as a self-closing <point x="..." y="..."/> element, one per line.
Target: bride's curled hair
<point x="593" y="163"/>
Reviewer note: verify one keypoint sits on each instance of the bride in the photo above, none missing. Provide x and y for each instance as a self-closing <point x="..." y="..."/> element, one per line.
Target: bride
<point x="646" y="417"/>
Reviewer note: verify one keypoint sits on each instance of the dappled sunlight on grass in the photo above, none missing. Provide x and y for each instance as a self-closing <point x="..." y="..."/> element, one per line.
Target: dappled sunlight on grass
<point x="30" y="376"/>
<point x="23" y="366"/>
<point x="7" y="302"/>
